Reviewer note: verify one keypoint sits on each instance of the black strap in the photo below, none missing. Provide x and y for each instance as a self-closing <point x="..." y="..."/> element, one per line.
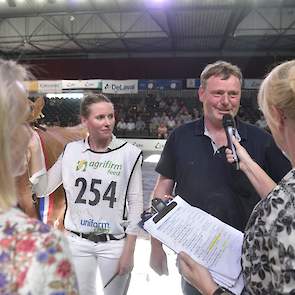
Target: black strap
<point x="97" y="238"/>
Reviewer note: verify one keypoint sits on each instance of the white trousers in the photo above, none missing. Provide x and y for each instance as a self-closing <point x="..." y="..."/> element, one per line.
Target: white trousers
<point x="92" y="260"/>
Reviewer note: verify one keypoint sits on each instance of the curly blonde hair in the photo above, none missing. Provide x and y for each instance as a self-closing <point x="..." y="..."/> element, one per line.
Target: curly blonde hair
<point x="278" y="90"/>
<point x="12" y="114"/>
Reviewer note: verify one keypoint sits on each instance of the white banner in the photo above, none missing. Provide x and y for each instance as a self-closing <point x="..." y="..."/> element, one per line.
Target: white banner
<point x="148" y="145"/>
<point x="50" y="86"/>
<point x="91" y="84"/>
<point x="71" y="84"/>
<point x="252" y="83"/>
<point x="190" y="83"/>
<point x="81" y="84"/>
<point x="119" y="86"/>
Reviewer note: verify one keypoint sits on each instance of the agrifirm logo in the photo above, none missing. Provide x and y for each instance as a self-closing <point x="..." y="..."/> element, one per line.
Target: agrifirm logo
<point x="111" y="167"/>
<point x="81" y="165"/>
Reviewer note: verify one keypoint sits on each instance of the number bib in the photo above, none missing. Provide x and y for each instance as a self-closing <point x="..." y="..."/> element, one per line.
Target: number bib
<point x="96" y="186"/>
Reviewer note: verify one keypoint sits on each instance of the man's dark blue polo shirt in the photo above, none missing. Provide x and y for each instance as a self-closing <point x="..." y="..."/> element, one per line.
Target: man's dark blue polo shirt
<point x="206" y="180"/>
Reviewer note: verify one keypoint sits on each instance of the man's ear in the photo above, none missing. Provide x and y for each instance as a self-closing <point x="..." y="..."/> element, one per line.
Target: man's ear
<point x="201" y="92"/>
<point x="83" y="121"/>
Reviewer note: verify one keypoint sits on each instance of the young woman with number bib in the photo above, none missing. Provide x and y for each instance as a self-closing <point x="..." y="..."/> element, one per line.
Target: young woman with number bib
<point x="102" y="179"/>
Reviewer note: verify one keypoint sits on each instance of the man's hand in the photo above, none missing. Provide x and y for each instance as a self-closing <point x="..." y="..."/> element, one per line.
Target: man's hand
<point x="158" y="258"/>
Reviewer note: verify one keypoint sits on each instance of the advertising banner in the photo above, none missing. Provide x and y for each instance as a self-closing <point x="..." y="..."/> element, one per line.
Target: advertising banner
<point x="32" y="86"/>
<point x="71" y="84"/>
<point x="160" y="84"/>
<point x="252" y="83"/>
<point x="91" y="84"/>
<point x="81" y="84"/>
<point x="50" y="86"/>
<point x="119" y="86"/>
<point x="148" y="145"/>
<point x="193" y="83"/>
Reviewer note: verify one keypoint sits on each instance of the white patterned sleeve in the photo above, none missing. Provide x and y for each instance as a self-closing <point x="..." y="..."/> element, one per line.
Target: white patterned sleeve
<point x="47" y="182"/>
<point x="281" y="258"/>
<point x="135" y="199"/>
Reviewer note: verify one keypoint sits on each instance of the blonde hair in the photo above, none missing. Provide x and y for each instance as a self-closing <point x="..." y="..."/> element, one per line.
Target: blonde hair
<point x="278" y="90"/>
<point x="221" y="69"/>
<point x="11" y="114"/>
<point x="89" y="100"/>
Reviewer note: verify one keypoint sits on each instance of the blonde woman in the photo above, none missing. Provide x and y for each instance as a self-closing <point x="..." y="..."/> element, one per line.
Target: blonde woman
<point x="33" y="257"/>
<point x="268" y="254"/>
<point x="102" y="178"/>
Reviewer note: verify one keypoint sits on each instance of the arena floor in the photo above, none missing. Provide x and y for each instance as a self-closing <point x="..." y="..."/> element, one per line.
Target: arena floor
<point x="144" y="280"/>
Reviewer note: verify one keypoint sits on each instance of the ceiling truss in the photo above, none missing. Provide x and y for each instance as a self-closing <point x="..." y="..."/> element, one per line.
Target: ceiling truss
<point x="114" y="29"/>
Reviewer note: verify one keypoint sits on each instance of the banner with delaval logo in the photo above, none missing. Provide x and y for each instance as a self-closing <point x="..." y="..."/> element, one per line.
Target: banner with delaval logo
<point x="120" y="86"/>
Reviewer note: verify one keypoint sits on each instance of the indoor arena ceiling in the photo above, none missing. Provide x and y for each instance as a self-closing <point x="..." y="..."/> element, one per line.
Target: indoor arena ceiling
<point x="146" y="28"/>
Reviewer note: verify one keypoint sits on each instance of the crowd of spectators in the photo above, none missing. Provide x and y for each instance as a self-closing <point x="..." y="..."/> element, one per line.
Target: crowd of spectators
<point x="146" y="115"/>
<point x="153" y="115"/>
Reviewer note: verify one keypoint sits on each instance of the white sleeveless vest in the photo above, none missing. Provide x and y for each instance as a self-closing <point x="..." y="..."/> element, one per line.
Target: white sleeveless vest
<point x="96" y="185"/>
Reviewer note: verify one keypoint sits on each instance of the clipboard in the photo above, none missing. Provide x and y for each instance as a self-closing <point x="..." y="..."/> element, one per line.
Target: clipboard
<point x="168" y="208"/>
<point x="208" y="240"/>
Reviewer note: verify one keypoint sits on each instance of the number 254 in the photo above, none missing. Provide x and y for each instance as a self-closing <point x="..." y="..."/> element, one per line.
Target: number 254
<point x="109" y="194"/>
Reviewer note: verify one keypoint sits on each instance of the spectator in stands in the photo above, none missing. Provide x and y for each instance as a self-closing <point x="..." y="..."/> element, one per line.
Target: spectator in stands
<point x="196" y="114"/>
<point x="156" y="119"/>
<point x="261" y="122"/>
<point x="153" y="126"/>
<point x="171" y="123"/>
<point x="194" y="160"/>
<point x="121" y="126"/>
<point x="268" y="260"/>
<point x="139" y="125"/>
<point x="162" y="131"/>
<point x="162" y="104"/>
<point x="178" y="121"/>
<point x="34" y="258"/>
<point x="130" y="126"/>
<point x="174" y="107"/>
<point x="141" y="106"/>
<point x="164" y="118"/>
<point x="158" y="99"/>
<point x="185" y="116"/>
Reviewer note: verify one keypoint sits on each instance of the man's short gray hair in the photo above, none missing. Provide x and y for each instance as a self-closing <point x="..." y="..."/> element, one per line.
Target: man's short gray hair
<point x="221" y="69"/>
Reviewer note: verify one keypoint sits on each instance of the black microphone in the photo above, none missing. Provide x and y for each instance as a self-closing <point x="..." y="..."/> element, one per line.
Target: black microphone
<point x="229" y="126"/>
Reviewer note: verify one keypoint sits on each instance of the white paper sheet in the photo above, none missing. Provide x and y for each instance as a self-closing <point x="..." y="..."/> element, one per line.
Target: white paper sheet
<point x="205" y="238"/>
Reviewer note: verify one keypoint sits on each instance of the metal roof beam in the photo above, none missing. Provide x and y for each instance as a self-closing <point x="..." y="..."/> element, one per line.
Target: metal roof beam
<point x="234" y="20"/>
<point x="70" y="37"/>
